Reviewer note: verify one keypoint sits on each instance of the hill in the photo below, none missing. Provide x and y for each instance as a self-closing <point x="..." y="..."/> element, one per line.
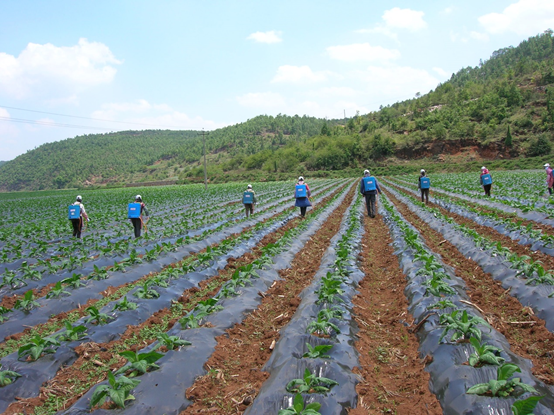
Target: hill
<point x="501" y="109"/>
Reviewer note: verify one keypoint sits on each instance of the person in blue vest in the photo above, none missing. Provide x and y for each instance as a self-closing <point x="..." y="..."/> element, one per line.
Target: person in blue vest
<point x="302" y="194"/>
<point x="78" y="216"/>
<point x="369" y="188"/>
<point x="486" y="181"/>
<point x="136" y="215"/>
<point x="423" y="185"/>
<point x="249" y="200"/>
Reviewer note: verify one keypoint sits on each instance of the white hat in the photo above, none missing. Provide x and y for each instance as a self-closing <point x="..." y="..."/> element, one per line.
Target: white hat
<point x="79" y="198"/>
<point x="483" y="168"/>
<point x="138" y="197"/>
<point x="249" y="186"/>
<point x="547" y="165"/>
<point x="422" y="171"/>
<point x="300" y="179"/>
<point x="366" y="171"/>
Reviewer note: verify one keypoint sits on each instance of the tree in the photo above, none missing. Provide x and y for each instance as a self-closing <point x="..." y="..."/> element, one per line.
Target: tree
<point x="540" y="147"/>
<point x="508" y="141"/>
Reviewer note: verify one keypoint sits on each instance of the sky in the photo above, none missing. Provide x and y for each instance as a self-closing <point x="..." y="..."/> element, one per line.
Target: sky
<point x="70" y="68"/>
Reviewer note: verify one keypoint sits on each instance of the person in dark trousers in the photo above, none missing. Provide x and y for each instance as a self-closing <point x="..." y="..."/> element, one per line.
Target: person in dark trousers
<point x="369" y="188"/>
<point x="423" y="184"/>
<point x="138" y="222"/>
<point x="79" y="222"/>
<point x="249" y="200"/>
<point x="302" y="194"/>
<point x="549" y="178"/>
<point x="486" y="181"/>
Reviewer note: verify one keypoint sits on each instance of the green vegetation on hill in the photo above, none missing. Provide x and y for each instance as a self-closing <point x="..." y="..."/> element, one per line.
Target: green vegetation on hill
<point x="501" y="109"/>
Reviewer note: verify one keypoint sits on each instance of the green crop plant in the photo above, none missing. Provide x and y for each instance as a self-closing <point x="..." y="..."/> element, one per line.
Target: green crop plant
<point x="526" y="406"/>
<point x="133" y="258"/>
<point x="74" y="281"/>
<point x="437" y="286"/>
<point x="442" y="304"/>
<point x="9" y="279"/>
<point x="118" y="390"/>
<point x="98" y="273"/>
<point x="73" y="333"/>
<point x="160" y="281"/>
<point x="329" y="313"/>
<point x="310" y="383"/>
<point x="171" y="342"/>
<point x="56" y="291"/>
<point x="139" y="363"/>
<point x="205" y="307"/>
<point x="321" y="326"/>
<point x="463" y="326"/>
<point x="3" y="312"/>
<point x="29" y="272"/>
<point x="27" y="303"/>
<point x="317" y="352"/>
<point x="38" y="346"/>
<point x="190" y="322"/>
<point x="7" y="377"/>
<point x="146" y="292"/>
<point x="543" y="277"/>
<point x="125" y="305"/>
<point x="502" y="386"/>
<point x="484" y="354"/>
<point x="298" y="407"/>
<point x="118" y="266"/>
<point x="96" y="317"/>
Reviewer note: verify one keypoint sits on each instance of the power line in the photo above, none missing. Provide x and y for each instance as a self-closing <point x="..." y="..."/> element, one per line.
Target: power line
<point x="84" y="118"/>
<point x="50" y="124"/>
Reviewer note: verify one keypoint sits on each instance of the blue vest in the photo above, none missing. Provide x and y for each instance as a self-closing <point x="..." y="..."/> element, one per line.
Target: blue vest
<point x="134" y="211"/>
<point x="74" y="211"/>
<point x="425" y="183"/>
<point x="248" y="198"/>
<point x="486" y="178"/>
<point x="369" y="183"/>
<point x="301" y="191"/>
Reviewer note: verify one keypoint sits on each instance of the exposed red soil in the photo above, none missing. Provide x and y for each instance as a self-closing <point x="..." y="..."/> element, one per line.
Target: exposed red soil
<point x="393" y="376"/>
<point x="236" y="375"/>
<point x="530" y="340"/>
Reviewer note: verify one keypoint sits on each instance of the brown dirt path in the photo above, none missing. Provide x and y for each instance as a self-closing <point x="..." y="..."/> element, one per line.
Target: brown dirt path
<point x="393" y="376"/>
<point x="235" y="375"/>
<point x="531" y="340"/>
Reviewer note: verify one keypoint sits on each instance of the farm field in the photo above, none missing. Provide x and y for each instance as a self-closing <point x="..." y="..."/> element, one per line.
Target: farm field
<point x="440" y="308"/>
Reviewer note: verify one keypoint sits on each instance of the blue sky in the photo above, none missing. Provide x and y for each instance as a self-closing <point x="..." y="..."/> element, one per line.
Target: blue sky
<point x="120" y="65"/>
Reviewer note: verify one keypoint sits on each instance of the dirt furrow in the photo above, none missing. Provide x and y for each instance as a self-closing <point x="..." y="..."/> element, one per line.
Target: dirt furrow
<point x="393" y="376"/>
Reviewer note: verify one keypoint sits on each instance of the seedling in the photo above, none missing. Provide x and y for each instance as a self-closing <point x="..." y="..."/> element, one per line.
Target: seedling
<point x="463" y="326"/>
<point x="125" y="305"/>
<point x="171" y="342"/>
<point x="96" y="317"/>
<point x="442" y="304"/>
<point x="74" y="281"/>
<point x="7" y="377"/>
<point x="146" y="292"/>
<point x="190" y="322"/>
<point x="99" y="273"/>
<point x="73" y="333"/>
<point x="37" y="347"/>
<point x="321" y="326"/>
<point x="484" y="354"/>
<point x="56" y="291"/>
<point x="138" y="363"/>
<point x="3" y="312"/>
<point x="501" y="386"/>
<point x="27" y="303"/>
<point x="526" y="406"/>
<point x="310" y="383"/>
<point x="209" y="306"/>
<point x="329" y="313"/>
<point x="9" y="279"/>
<point x="318" y="352"/>
<point x="298" y="407"/>
<point x="437" y="286"/>
<point x="160" y="281"/>
<point x="118" y="390"/>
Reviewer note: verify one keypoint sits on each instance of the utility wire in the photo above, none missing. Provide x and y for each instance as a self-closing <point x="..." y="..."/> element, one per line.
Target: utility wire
<point x="50" y="124"/>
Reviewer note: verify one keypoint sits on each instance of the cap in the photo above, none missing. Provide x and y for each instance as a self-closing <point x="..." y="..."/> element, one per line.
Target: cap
<point x="366" y="171"/>
<point x="483" y="168"/>
<point x="138" y="197"/>
<point x="249" y="186"/>
<point x="300" y="179"/>
<point x="79" y="198"/>
<point x="422" y="171"/>
<point x="547" y="165"/>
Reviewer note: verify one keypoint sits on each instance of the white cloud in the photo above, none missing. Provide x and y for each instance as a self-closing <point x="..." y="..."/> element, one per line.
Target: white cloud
<point x="261" y="100"/>
<point x="448" y="10"/>
<point x="398" y="18"/>
<point x="298" y="74"/>
<point x="395" y="82"/>
<point x="526" y="17"/>
<point x="479" y="36"/>
<point x="362" y="52"/>
<point x="266" y="37"/>
<point x="336" y="91"/>
<point x="59" y="70"/>
<point x="442" y="73"/>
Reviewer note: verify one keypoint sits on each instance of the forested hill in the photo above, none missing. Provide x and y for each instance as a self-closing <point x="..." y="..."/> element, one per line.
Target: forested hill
<point x="501" y="108"/>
